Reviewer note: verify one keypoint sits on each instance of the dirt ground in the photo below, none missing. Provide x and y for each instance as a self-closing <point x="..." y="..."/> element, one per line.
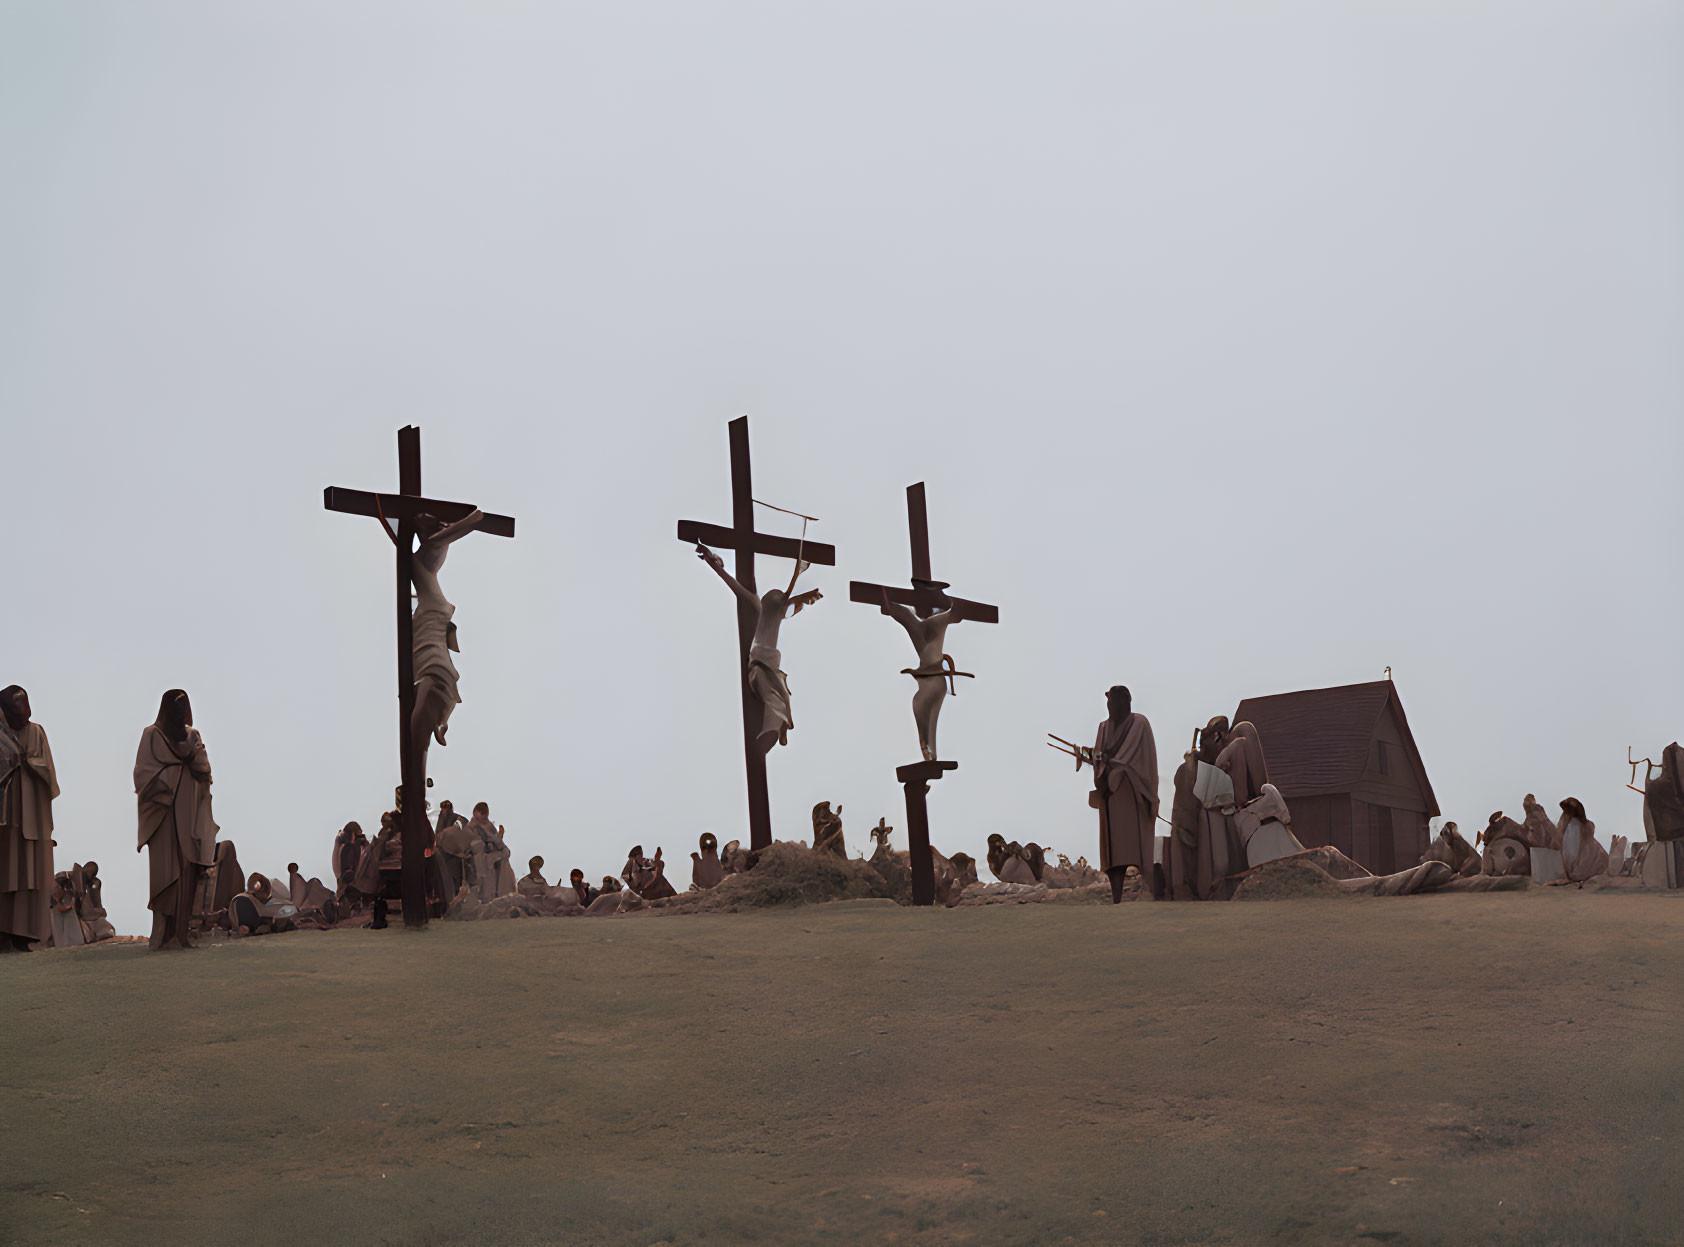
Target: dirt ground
<point x="1453" y="1069"/>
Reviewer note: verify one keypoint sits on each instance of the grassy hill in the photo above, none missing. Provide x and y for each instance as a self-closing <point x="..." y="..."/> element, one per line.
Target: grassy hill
<point x="1457" y="1069"/>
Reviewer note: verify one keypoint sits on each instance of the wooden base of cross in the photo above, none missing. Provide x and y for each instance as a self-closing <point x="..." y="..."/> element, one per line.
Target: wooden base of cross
<point x="916" y="779"/>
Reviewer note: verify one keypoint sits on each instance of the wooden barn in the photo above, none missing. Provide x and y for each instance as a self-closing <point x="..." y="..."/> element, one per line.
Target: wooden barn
<point x="1346" y="763"/>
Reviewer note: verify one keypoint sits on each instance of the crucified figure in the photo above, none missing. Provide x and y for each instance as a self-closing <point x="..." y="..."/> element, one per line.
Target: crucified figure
<point x="765" y="679"/>
<point x="934" y="672"/>
<point x="434" y="634"/>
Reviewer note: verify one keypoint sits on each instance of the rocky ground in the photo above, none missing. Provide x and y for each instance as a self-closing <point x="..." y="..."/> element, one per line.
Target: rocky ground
<point x="1499" y="1068"/>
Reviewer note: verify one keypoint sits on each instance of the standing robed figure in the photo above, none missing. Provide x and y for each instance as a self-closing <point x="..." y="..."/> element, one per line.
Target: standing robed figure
<point x="172" y="779"/>
<point x="28" y="786"/>
<point x="1125" y="775"/>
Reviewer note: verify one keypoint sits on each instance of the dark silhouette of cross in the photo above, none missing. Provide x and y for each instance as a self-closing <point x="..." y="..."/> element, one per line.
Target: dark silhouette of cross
<point x="746" y="543"/>
<point x="402" y="509"/>
<point x="916" y="777"/>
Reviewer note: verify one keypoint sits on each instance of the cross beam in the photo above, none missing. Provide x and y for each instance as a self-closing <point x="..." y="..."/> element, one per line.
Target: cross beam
<point x="405" y="507"/>
<point x="745" y="542"/>
<point x="409" y="506"/>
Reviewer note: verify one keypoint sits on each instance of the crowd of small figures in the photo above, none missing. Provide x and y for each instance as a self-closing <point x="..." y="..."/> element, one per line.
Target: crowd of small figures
<point x="469" y="877"/>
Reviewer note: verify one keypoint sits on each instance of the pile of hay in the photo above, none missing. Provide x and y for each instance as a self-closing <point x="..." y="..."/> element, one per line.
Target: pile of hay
<point x="1289" y="878"/>
<point x="786" y="874"/>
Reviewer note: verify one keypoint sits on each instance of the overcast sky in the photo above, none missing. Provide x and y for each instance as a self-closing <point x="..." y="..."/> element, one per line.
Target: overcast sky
<point x="1244" y="347"/>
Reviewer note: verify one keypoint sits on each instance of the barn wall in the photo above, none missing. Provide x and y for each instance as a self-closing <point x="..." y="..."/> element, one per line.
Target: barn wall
<point x="1385" y="843"/>
<point x="1312" y="821"/>
<point x="1339" y="812"/>
<point x="1409" y="832"/>
<point x="1397" y="788"/>
<point x="1362" y="837"/>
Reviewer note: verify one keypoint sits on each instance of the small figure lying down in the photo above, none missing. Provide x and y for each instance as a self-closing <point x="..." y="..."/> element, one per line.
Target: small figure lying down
<point x="257" y="911"/>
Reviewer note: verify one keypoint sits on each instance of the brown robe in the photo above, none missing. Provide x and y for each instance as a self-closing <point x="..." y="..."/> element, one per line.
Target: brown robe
<point x="502" y="882"/>
<point x="229" y="877"/>
<point x="1591" y="859"/>
<point x="1541" y="833"/>
<point x="387" y="847"/>
<point x="705" y="869"/>
<point x="1186" y="824"/>
<point x="172" y="786"/>
<point x="533" y="885"/>
<point x="26" y="836"/>
<point x="1242" y="758"/>
<point x="1126" y="778"/>
<point x="348" y="849"/>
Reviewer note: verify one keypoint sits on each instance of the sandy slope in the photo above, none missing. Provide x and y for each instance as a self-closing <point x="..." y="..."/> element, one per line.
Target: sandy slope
<point x="1493" y="1069"/>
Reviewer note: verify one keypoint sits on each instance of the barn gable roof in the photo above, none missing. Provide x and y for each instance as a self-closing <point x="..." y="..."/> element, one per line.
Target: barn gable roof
<point x="1317" y="741"/>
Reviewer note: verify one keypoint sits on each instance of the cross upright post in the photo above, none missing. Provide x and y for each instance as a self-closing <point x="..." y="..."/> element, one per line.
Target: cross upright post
<point x="411" y="767"/>
<point x="745" y="542"/>
<point x="401" y="509"/>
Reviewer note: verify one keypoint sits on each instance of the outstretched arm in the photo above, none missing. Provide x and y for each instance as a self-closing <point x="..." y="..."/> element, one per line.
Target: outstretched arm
<point x="714" y="561"/>
<point x="460" y="529"/>
<point x="905" y="617"/>
<point x="804" y="599"/>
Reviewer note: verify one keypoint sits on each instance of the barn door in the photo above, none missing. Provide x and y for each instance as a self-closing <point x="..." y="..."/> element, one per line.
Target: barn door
<point x="1385" y="843"/>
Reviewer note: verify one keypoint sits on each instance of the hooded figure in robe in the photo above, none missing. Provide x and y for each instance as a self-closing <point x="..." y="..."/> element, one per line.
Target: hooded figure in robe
<point x="1242" y="759"/>
<point x="1186" y="822"/>
<point x="172" y="779"/>
<point x="1454" y="851"/>
<point x="228" y="877"/>
<point x="90" y="908"/>
<point x="1008" y="861"/>
<point x="1221" y="849"/>
<point x="1582" y="857"/>
<point x="28" y="787"/>
<point x="386" y="852"/>
<point x="1541" y="833"/>
<point x="533" y="884"/>
<point x="61" y="915"/>
<point x="348" y="848"/>
<point x="1125" y="774"/>
<point x="500" y="879"/>
<point x="705" y="868"/>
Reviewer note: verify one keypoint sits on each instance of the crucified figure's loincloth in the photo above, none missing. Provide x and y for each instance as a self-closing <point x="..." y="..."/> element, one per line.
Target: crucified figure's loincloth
<point x="768" y="683"/>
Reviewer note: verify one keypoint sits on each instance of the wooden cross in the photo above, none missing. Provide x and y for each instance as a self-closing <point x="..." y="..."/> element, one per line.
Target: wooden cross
<point x="404" y="507"/>
<point x="916" y="778"/>
<point x="746" y="543"/>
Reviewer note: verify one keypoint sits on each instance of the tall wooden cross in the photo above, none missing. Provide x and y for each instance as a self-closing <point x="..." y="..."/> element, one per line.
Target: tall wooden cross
<point x="917" y="777"/>
<point x="746" y="543"/>
<point x="403" y="508"/>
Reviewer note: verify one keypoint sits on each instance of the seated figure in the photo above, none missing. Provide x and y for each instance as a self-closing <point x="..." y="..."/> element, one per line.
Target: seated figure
<point x="582" y="890"/>
<point x="258" y="910"/>
<point x="1454" y="851"/>
<point x="1265" y="827"/>
<point x="827" y="830"/>
<point x="1582" y="855"/>
<point x="705" y="869"/>
<point x="1507" y="847"/>
<point x="1008" y="861"/>
<point x="648" y="877"/>
<point x="534" y="884"/>
<point x="64" y="929"/>
<point x="90" y="909"/>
